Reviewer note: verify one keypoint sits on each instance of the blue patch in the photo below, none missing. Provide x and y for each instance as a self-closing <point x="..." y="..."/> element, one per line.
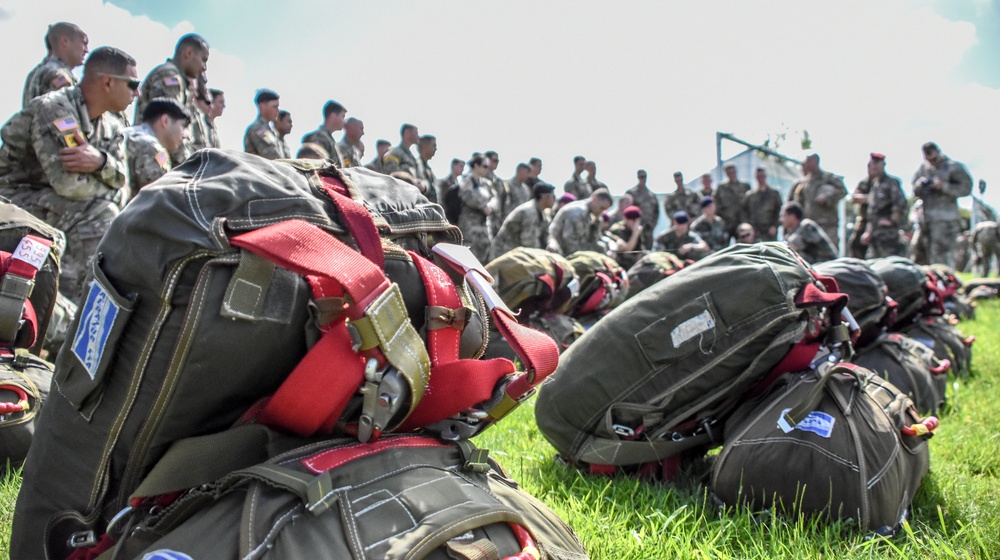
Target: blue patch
<point x="164" y="554"/>
<point x="928" y="342"/>
<point x="819" y="423"/>
<point x="98" y="315"/>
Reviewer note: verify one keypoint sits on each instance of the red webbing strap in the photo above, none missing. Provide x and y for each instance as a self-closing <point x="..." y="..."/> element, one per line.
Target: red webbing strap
<point x="357" y="219"/>
<point x="536" y="349"/>
<point x="314" y="395"/>
<point x="20" y="269"/>
<point x="595" y="298"/>
<point x="455" y="384"/>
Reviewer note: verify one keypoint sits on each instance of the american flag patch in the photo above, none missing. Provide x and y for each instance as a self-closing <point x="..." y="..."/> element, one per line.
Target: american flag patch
<point x="171" y="81"/>
<point x="60" y="81"/>
<point x="64" y="124"/>
<point x="161" y="158"/>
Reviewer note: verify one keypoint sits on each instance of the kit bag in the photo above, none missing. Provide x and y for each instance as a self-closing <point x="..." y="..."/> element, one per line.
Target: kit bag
<point x="841" y="443"/>
<point x="24" y="387"/>
<point x="650" y="269"/>
<point x="604" y="284"/>
<point x="868" y="303"/>
<point x="658" y="374"/>
<point x="563" y="329"/>
<point x="955" y="299"/>
<point x="939" y="334"/>
<point x="910" y="366"/>
<point x="909" y="287"/>
<point x="291" y="294"/>
<point x="533" y="281"/>
<point x="403" y="496"/>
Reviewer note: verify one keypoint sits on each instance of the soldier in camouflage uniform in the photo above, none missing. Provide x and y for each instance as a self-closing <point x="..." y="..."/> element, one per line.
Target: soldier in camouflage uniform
<point x="528" y="224"/>
<point x="476" y="195"/>
<point x="176" y="78"/>
<point x="818" y="192"/>
<point x="67" y="47"/>
<point x="63" y="158"/>
<point x="762" y="208"/>
<point x="681" y="199"/>
<point x="381" y="149"/>
<point x="260" y="138"/>
<point x="680" y="240"/>
<point x="706" y="187"/>
<point x="216" y="108"/>
<point x="855" y="248"/>
<point x="518" y="189"/>
<point x="202" y="128"/>
<point x="500" y="203"/>
<point x="645" y="199"/>
<point x="148" y="145"/>
<point x="805" y="236"/>
<point x="710" y="227"/>
<point x="577" y="185"/>
<point x="426" y="181"/>
<point x="886" y="208"/>
<point x="283" y="127"/>
<point x="333" y="120"/>
<point x="939" y="183"/>
<point x="400" y="158"/>
<point x="577" y="225"/>
<point x="592" y="183"/>
<point x="350" y="148"/>
<point x="630" y="246"/>
<point x="729" y="200"/>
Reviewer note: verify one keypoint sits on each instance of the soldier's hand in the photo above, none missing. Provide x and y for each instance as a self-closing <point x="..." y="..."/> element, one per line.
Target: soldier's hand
<point x="83" y="158"/>
<point x="866" y="238"/>
<point x="821" y="199"/>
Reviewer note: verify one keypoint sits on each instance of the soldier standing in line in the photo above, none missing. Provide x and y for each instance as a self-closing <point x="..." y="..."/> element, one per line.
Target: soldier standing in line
<point x="283" y="127"/>
<point x="63" y="158"/>
<point x="517" y="188"/>
<point x="426" y="148"/>
<point x="706" y="186"/>
<point x="500" y="203"/>
<point x="400" y="158"/>
<point x="148" y="145"/>
<point x="216" y="108"/>
<point x="629" y="233"/>
<point x="260" y="138"/>
<point x="710" y="227"/>
<point x="729" y="199"/>
<point x="855" y="247"/>
<point x="333" y="120"/>
<point x="762" y="208"/>
<point x="818" y="193"/>
<point x="939" y="183"/>
<point x="681" y="199"/>
<point x="680" y="240"/>
<point x="453" y="178"/>
<point x="645" y="199"/>
<point x="381" y="149"/>
<point x="66" y="46"/>
<point x="577" y="185"/>
<point x="536" y="171"/>
<point x="528" y="224"/>
<point x="592" y="183"/>
<point x="805" y="236"/>
<point x="886" y="208"/>
<point x="350" y="147"/>
<point x="624" y="201"/>
<point x="577" y="225"/>
<point x="177" y="79"/>
<point x="201" y="127"/>
<point x="476" y="195"/>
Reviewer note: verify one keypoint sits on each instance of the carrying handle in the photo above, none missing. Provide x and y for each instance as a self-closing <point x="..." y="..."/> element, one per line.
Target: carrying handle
<point x="922" y="428"/>
<point x="798" y="413"/>
<point x="942" y="367"/>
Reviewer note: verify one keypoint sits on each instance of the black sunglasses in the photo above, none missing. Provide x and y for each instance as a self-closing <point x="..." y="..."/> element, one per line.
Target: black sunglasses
<point x="133" y="84"/>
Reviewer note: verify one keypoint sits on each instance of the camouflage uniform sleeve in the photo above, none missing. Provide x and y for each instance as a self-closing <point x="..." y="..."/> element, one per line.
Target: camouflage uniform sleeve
<point x="839" y="190"/>
<point x="473" y="196"/>
<point x="166" y="84"/>
<point x="959" y="182"/>
<point x="899" y="204"/>
<point x="576" y="233"/>
<point x="263" y="142"/>
<point x="51" y="78"/>
<point x="147" y="163"/>
<point x="47" y="141"/>
<point x="114" y="174"/>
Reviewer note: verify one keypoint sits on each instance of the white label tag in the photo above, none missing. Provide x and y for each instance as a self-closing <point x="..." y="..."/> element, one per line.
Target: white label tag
<point x="692" y="328"/>
<point x="31" y="252"/>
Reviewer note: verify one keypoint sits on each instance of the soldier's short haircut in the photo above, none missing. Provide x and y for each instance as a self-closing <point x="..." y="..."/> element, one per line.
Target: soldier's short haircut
<point x="456" y="160"/>
<point x="762" y="169"/>
<point x="59" y="30"/>
<point x="216" y="92"/>
<point x="159" y="106"/>
<point x="427" y="139"/>
<point x="814" y="157"/>
<point x="191" y="40"/>
<point x="523" y="166"/>
<point x="352" y="121"/>
<point x="311" y="150"/>
<point x="793" y="208"/>
<point x="283" y="114"/>
<point x="603" y="195"/>
<point x="534" y="161"/>
<point x="578" y="159"/>
<point x="477" y="159"/>
<point x="107" y="60"/>
<point x="729" y="166"/>
<point x="332" y="108"/>
<point x="930" y="146"/>
<point x="406" y="127"/>
<point x="381" y="142"/>
<point x="491" y="154"/>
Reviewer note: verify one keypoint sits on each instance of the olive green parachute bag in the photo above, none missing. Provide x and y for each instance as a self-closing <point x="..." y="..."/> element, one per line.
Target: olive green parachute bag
<point x="840" y="443"/>
<point x="909" y="365"/>
<point x="656" y="376"/>
<point x="650" y="269"/>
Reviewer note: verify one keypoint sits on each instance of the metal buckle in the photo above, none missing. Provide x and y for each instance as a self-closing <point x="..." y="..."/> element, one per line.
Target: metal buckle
<point x="623" y="431"/>
<point x="82" y="539"/>
<point x="118" y="524"/>
<point x="384" y="392"/>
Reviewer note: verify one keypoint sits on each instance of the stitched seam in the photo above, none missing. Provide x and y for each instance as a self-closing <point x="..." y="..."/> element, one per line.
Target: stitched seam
<point x="278" y="525"/>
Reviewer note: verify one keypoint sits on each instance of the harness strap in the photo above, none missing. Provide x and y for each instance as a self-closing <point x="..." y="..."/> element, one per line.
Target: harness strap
<point x="18" y="280"/>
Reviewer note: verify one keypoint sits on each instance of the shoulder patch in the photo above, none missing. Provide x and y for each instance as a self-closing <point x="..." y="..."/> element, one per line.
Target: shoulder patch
<point x="65" y="124"/>
<point x="162" y="158"/>
<point x="172" y="81"/>
<point x="59" y="81"/>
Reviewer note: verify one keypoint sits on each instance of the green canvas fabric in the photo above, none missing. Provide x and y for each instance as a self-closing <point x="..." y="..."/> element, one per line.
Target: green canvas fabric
<point x="531" y="280"/>
<point x="34" y="376"/>
<point x="907" y="364"/>
<point x="650" y="269"/>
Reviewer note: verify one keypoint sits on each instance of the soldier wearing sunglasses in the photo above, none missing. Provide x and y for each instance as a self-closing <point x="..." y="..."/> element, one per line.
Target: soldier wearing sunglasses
<point x="63" y="160"/>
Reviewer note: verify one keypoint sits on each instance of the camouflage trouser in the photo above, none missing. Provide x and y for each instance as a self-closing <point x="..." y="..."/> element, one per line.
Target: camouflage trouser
<point x="832" y="231"/>
<point x="477" y="239"/>
<point x="941" y="238"/>
<point x="83" y="221"/>
<point x="884" y="243"/>
<point x="855" y="248"/>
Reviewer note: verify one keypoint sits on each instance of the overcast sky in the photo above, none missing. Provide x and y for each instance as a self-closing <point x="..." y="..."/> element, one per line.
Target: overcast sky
<point x="628" y="84"/>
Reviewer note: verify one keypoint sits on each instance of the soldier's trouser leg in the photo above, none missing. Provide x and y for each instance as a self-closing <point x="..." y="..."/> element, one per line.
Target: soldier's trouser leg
<point x="832" y="231"/>
<point x="478" y="241"/>
<point x="884" y="243"/>
<point x="942" y="235"/>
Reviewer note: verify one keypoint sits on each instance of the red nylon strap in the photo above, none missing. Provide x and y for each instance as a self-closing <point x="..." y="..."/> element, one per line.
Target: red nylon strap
<point x="537" y="351"/>
<point x="314" y="395"/>
<point x="595" y="298"/>
<point x="357" y="219"/>
<point x="455" y="385"/>
<point x="334" y="458"/>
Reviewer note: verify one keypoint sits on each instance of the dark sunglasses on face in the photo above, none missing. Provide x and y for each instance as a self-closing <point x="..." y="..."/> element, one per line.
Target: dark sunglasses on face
<point x="133" y="84"/>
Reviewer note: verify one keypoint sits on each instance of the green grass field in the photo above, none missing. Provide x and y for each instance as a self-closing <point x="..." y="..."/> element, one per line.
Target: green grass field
<point x="956" y="514"/>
